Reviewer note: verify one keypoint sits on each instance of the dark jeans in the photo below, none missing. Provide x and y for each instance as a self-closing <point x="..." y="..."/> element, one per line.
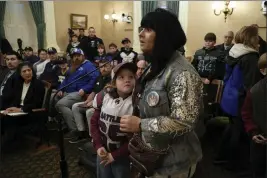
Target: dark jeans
<point x="258" y="159"/>
<point x="120" y="168"/>
<point x="235" y="143"/>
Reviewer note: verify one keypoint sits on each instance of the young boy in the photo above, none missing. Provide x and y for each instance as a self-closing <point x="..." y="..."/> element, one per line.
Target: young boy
<point x="254" y="115"/>
<point x="111" y="143"/>
<point x="74" y="44"/>
<point x="101" y="54"/>
<point x="113" y="53"/>
<point x="209" y="63"/>
<point x="127" y="54"/>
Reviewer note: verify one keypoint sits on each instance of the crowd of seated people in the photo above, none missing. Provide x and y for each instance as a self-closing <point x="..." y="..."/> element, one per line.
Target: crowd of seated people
<point x="235" y="65"/>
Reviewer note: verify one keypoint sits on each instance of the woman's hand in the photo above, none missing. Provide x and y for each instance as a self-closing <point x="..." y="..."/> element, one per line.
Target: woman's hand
<point x="130" y="124"/>
<point x="13" y="109"/>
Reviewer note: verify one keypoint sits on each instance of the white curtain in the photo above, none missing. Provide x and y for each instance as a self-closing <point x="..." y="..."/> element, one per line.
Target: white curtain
<point x="19" y="23"/>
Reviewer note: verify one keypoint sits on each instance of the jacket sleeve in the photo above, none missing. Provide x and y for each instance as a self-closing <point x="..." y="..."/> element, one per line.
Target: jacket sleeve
<point x="38" y="92"/>
<point x="91" y="83"/>
<point x="251" y="72"/>
<point x="185" y="96"/>
<point x="247" y="116"/>
<point x="195" y="61"/>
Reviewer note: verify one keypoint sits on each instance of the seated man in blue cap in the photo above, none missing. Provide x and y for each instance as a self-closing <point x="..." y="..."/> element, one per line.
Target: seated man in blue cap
<point x="75" y="92"/>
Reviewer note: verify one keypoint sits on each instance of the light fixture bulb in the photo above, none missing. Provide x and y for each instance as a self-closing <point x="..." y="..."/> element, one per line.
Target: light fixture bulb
<point x="113" y="16"/>
<point x="106" y="16"/>
<point x="232" y="4"/>
<point x="217" y="5"/>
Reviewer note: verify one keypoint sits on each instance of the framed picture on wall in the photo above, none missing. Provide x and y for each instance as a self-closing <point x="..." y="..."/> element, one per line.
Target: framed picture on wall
<point x="78" y="21"/>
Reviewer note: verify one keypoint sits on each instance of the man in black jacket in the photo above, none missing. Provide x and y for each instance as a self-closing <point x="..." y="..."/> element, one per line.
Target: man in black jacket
<point x="13" y="59"/>
<point x="227" y="45"/>
<point x="29" y="56"/>
<point x="89" y="44"/>
<point x="127" y="54"/>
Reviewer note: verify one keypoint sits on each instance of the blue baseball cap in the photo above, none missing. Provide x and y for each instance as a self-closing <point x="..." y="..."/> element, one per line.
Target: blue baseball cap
<point x="76" y="51"/>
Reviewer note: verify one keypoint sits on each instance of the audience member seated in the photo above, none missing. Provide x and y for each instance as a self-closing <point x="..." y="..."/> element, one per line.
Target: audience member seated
<point x="82" y="108"/>
<point x="75" y="92"/>
<point x="62" y="70"/>
<point x="90" y="43"/>
<point x="141" y="66"/>
<point x="52" y="54"/>
<point x="113" y="53"/>
<point x="39" y="66"/>
<point x="255" y="119"/>
<point x="227" y="45"/>
<point x="81" y="35"/>
<point x="29" y="56"/>
<point x="13" y="59"/>
<point x="50" y="71"/>
<point x="75" y="43"/>
<point x="27" y="94"/>
<point x="127" y="54"/>
<point x="101" y="54"/>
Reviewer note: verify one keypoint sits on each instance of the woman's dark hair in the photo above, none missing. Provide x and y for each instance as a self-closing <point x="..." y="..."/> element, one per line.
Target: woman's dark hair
<point x="41" y="50"/>
<point x="169" y="38"/>
<point x="21" y="65"/>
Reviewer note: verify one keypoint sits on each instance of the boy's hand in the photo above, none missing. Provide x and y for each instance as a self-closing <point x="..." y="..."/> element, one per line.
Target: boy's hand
<point x="107" y="160"/>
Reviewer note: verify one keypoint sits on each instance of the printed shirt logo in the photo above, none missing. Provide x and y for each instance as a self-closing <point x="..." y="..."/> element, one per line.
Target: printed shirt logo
<point x="110" y="128"/>
<point x="206" y="63"/>
<point x="127" y="58"/>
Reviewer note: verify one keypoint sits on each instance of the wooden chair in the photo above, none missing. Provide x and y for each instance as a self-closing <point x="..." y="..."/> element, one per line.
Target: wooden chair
<point x="39" y="113"/>
<point x="217" y="97"/>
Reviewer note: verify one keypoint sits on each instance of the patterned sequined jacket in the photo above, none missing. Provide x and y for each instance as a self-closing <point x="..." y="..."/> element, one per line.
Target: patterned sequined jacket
<point x="169" y="107"/>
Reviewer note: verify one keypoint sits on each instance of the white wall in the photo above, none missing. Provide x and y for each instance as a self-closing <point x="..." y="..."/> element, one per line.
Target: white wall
<point x="19" y="23"/>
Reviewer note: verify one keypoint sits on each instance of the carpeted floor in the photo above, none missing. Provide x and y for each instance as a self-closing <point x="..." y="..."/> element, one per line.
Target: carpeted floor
<point x="20" y="159"/>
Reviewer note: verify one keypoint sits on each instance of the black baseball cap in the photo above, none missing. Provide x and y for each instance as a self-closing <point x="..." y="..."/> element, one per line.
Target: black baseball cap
<point x="125" y="40"/>
<point x="124" y="65"/>
<point x="51" y="50"/>
<point x="28" y="48"/>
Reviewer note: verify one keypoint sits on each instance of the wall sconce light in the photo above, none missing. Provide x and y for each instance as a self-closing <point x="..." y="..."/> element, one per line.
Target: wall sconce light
<point x="227" y="8"/>
<point x="126" y="18"/>
<point x="264" y="7"/>
<point x="113" y="17"/>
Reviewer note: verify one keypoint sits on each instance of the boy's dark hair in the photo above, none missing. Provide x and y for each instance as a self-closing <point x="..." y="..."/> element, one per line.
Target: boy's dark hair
<point x="41" y="50"/>
<point x="14" y="53"/>
<point x="91" y="28"/>
<point x="112" y="45"/>
<point x="210" y="37"/>
<point x="81" y="29"/>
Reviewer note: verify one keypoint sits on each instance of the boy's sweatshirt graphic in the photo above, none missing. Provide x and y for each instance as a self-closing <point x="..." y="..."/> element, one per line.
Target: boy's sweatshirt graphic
<point x="210" y="63"/>
<point x="109" y="134"/>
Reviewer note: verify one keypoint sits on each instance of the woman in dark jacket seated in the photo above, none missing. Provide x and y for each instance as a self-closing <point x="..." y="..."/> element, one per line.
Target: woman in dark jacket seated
<point x="28" y="91"/>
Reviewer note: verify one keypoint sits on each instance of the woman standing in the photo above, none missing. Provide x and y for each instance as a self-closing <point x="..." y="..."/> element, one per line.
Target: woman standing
<point x="168" y="103"/>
